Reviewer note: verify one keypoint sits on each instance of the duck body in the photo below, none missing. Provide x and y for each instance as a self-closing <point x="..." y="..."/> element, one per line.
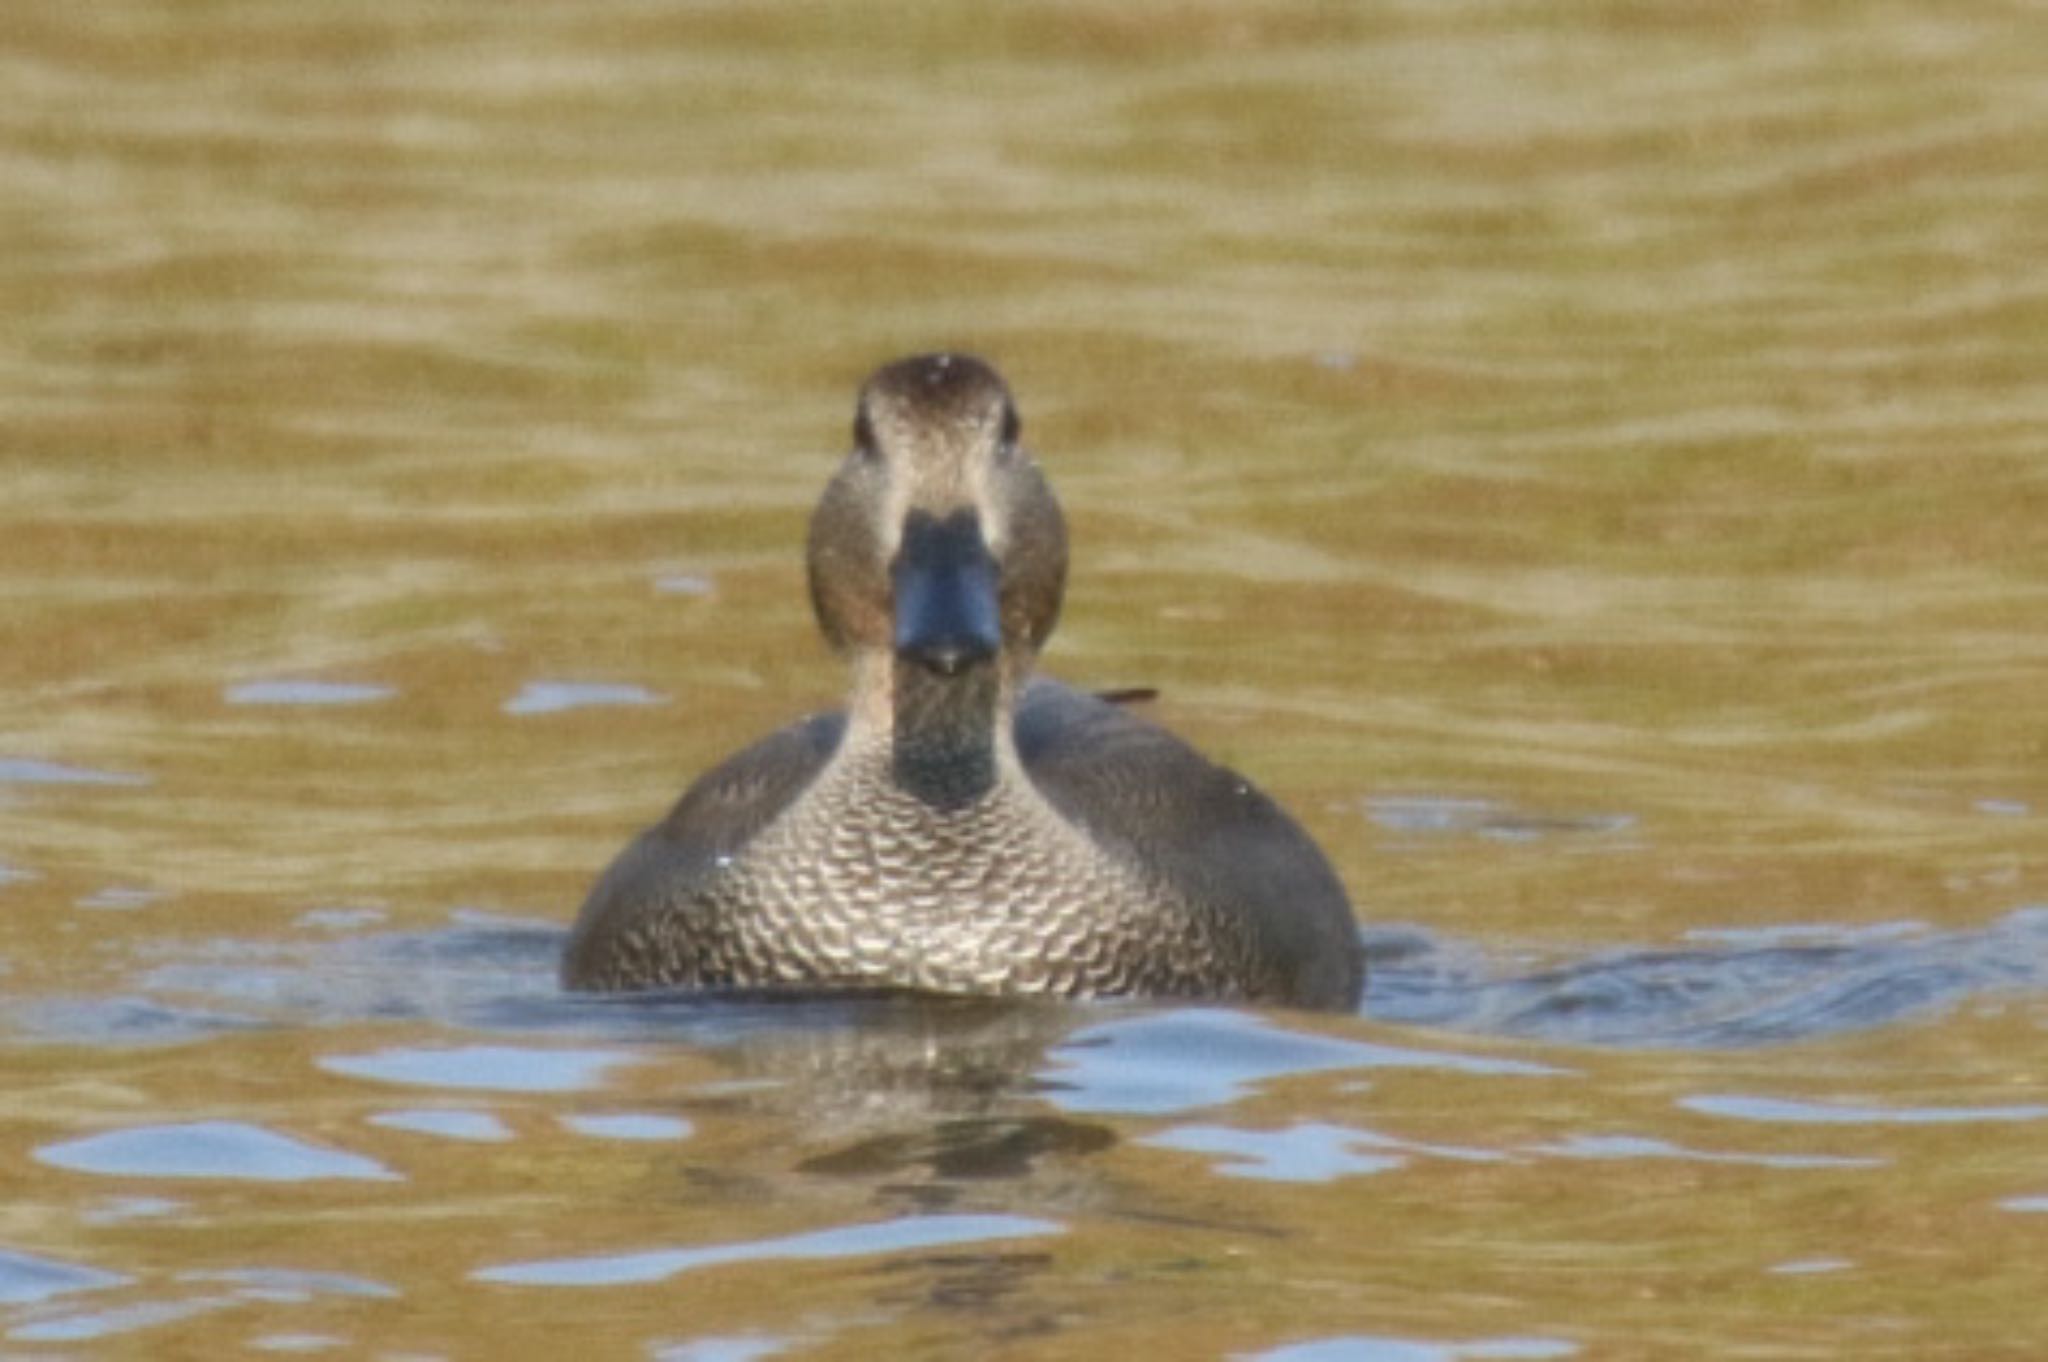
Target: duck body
<point x="963" y="826"/>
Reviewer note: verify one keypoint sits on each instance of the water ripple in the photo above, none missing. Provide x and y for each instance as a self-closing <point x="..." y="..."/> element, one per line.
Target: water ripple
<point x="25" y="1277"/>
<point x="478" y="1127"/>
<point x="553" y="697"/>
<point x="208" y="1149"/>
<point x="297" y="692"/>
<point x="1783" y="1111"/>
<point x="30" y="771"/>
<point x="628" y="1125"/>
<point x="1191" y="1058"/>
<point x="892" y="1236"/>
<point x="1365" y="1348"/>
<point x="1813" y="981"/>
<point x="1733" y="989"/>
<point x="496" y="1068"/>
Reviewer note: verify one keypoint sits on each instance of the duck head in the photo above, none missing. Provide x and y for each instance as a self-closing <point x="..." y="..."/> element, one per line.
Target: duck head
<point x="937" y="543"/>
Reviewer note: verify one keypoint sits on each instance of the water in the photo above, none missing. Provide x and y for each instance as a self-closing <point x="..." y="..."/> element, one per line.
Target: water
<point x="1586" y="463"/>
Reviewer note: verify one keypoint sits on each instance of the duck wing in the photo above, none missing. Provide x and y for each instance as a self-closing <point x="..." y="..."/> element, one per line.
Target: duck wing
<point x="1201" y="829"/>
<point x="655" y="877"/>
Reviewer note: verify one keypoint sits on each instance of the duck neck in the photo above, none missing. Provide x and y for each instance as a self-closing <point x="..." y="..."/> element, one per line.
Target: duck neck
<point x="944" y="737"/>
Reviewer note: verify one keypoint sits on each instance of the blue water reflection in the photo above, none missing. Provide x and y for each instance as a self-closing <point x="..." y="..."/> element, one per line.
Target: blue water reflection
<point x="1364" y="1348"/>
<point x="1810" y="1267"/>
<point x="1742" y="987"/>
<point x="234" y="1287"/>
<point x="889" y="1236"/>
<point x="552" y="697"/>
<point x="1308" y="1151"/>
<point x="297" y="692"/>
<point x="1428" y="815"/>
<point x="1739" y="987"/>
<point x="116" y="1210"/>
<point x="494" y="1068"/>
<point x="79" y="1328"/>
<point x="121" y="897"/>
<point x="293" y="1286"/>
<point x="1642" y="1147"/>
<point x="297" y="1343"/>
<point x="721" y="1349"/>
<point x="1786" y="1111"/>
<point x="208" y="1149"/>
<point x="25" y="1277"/>
<point x="31" y="771"/>
<point x="1155" y="1063"/>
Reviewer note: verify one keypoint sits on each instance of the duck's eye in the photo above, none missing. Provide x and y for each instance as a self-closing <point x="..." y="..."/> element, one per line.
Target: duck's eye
<point x="1012" y="429"/>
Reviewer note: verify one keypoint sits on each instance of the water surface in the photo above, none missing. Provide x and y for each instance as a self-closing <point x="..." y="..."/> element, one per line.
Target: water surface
<point x="1586" y="462"/>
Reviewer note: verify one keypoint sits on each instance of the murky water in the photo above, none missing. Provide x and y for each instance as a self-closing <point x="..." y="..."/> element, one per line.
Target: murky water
<point x="1586" y="462"/>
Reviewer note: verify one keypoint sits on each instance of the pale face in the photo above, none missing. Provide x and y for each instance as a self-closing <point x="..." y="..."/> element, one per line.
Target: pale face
<point x="938" y="508"/>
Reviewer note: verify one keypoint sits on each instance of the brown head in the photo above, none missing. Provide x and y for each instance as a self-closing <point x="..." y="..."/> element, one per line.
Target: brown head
<point x="938" y="539"/>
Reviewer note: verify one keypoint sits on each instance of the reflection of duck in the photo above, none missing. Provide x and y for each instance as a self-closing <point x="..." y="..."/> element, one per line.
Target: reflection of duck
<point x="961" y="827"/>
<point x="920" y="1094"/>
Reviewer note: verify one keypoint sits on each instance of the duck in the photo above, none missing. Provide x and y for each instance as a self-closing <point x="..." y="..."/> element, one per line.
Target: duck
<point x="964" y="825"/>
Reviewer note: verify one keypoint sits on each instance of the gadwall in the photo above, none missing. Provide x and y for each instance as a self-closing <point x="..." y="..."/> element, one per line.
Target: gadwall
<point x="964" y="827"/>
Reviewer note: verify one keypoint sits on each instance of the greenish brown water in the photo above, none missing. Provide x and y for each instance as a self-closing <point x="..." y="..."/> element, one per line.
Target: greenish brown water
<point x="1588" y="464"/>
